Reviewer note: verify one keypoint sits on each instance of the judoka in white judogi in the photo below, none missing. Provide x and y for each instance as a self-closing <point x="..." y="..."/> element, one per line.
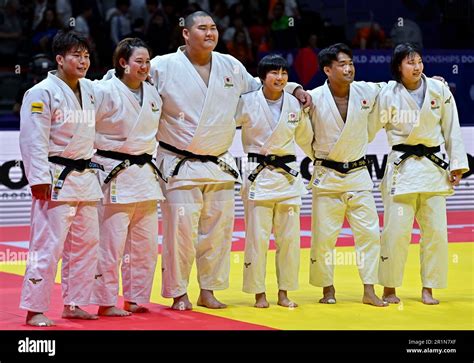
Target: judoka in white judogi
<point x="199" y="209"/>
<point x="55" y="124"/>
<point x="273" y="198"/>
<point x="128" y="214"/>
<point x="337" y="195"/>
<point x="417" y="187"/>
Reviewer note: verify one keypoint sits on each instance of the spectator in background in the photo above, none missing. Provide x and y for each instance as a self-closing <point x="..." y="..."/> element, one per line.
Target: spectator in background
<point x="406" y="30"/>
<point x="45" y="31"/>
<point x="137" y="10"/>
<point x="152" y="6"/>
<point x="290" y="8"/>
<point x="82" y="25"/>
<point x="240" y="49"/>
<point x="38" y="12"/>
<point x="158" y="34"/>
<point x="370" y="36"/>
<point x="64" y="12"/>
<point x="220" y="16"/>
<point x="202" y="4"/>
<point x="237" y="25"/>
<point x="10" y="33"/>
<point x="138" y="29"/>
<point x="120" y="26"/>
<point x="258" y="32"/>
<point x="283" y="32"/>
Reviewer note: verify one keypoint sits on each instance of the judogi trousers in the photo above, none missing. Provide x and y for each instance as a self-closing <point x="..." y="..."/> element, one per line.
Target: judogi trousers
<point x="70" y="229"/>
<point x="329" y="210"/>
<point x="198" y="222"/>
<point x="260" y="216"/>
<point x="128" y="234"/>
<point x="430" y="213"/>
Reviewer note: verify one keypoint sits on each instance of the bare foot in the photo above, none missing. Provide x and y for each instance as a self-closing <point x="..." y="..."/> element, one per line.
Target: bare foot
<point x="112" y="311"/>
<point x="75" y="312"/>
<point x="134" y="308"/>
<point x="370" y="298"/>
<point x="38" y="319"/>
<point x="208" y="300"/>
<point x="284" y="301"/>
<point x="389" y="295"/>
<point x="182" y="303"/>
<point x="427" y="296"/>
<point x="329" y="295"/>
<point x="261" y="301"/>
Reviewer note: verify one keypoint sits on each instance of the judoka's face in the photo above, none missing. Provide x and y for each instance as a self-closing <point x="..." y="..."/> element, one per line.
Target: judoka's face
<point x="203" y="34"/>
<point x="275" y="80"/>
<point x="411" y="68"/>
<point x="74" y="63"/>
<point x="137" y="67"/>
<point x="341" y="71"/>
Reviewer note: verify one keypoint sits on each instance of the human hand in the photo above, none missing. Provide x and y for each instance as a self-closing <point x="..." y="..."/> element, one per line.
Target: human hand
<point x="303" y="96"/>
<point x="455" y="177"/>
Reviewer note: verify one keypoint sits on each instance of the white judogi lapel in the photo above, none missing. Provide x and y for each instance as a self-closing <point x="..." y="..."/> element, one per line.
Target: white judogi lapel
<point x="125" y="126"/>
<point x="436" y="123"/>
<point x="54" y="123"/>
<point x="339" y="141"/>
<point x="261" y="135"/>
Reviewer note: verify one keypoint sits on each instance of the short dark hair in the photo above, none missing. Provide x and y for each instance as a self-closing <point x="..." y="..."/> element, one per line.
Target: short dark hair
<point x="189" y="20"/>
<point x="66" y="40"/>
<point x="400" y="52"/>
<point x="124" y="50"/>
<point x="271" y="62"/>
<point x="327" y="55"/>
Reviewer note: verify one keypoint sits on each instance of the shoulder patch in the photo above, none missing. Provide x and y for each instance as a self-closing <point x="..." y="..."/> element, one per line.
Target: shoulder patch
<point x="37" y="107"/>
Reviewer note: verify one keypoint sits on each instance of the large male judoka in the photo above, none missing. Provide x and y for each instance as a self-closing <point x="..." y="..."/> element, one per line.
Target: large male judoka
<point x="56" y="140"/>
<point x="342" y="186"/>
<point x="200" y="90"/>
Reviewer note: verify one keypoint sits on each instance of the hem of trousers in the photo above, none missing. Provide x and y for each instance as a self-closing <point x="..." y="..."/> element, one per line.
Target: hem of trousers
<point x="435" y="286"/>
<point x="40" y="310"/>
<point x="317" y="284"/>
<point x="214" y="288"/>
<point x="289" y="288"/>
<point x="75" y="303"/>
<point x="138" y="300"/>
<point x="101" y="303"/>
<point x="391" y="286"/>
<point x="370" y="282"/>
<point x="169" y="295"/>
<point x="253" y="291"/>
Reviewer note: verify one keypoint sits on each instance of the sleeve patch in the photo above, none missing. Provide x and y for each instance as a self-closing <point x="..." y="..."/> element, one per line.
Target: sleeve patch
<point x="37" y="107"/>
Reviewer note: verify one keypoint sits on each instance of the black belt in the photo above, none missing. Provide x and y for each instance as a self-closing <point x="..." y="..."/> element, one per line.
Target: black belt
<point x="343" y="167"/>
<point x="127" y="160"/>
<point x="70" y="165"/>
<point x="189" y="155"/>
<point x="273" y="160"/>
<point x="420" y="150"/>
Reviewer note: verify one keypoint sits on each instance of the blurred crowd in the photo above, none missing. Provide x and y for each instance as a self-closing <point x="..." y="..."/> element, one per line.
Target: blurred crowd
<point x="246" y="27"/>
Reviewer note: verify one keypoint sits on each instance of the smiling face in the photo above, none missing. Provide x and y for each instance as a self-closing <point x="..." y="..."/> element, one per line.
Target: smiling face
<point x="137" y="68"/>
<point x="74" y="63"/>
<point x="411" y="69"/>
<point x="341" y="71"/>
<point x="275" y="81"/>
<point x="202" y="36"/>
